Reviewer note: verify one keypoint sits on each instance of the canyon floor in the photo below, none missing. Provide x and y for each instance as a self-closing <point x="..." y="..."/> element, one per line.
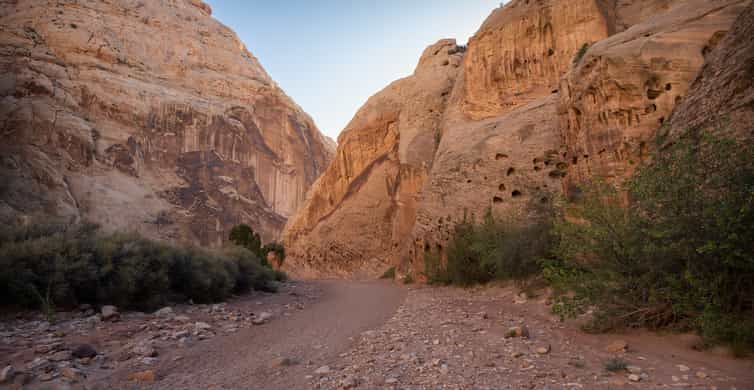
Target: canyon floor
<point x="347" y="334"/>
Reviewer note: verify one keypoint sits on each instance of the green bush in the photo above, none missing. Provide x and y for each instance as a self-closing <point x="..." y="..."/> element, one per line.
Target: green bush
<point x="491" y="250"/>
<point x="673" y="248"/>
<point x="278" y="249"/>
<point x="243" y="236"/>
<point x="581" y="53"/>
<point x="389" y="274"/>
<point x="616" y="364"/>
<point x="47" y="265"/>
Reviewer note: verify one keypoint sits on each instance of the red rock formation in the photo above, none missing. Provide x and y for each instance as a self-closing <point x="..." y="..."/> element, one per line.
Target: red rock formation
<point x="626" y="86"/>
<point x="722" y="95"/>
<point x="524" y="119"/>
<point x="362" y="206"/>
<point x="146" y="115"/>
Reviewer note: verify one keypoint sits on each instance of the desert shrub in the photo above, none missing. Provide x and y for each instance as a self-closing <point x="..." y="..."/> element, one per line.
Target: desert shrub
<point x="615" y="364"/>
<point x="389" y="274"/>
<point x="673" y="248"/>
<point x="581" y="53"/>
<point x="491" y="250"/>
<point x="47" y="265"/>
<point x="242" y="235"/>
<point x="278" y="249"/>
<point x="280" y="276"/>
<point x="250" y="272"/>
<point x="457" y="49"/>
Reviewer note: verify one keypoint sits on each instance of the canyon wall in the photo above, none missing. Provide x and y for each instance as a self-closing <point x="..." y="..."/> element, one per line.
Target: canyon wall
<point x="549" y="93"/>
<point x="626" y="86"/>
<point x="362" y="207"/>
<point x="149" y="116"/>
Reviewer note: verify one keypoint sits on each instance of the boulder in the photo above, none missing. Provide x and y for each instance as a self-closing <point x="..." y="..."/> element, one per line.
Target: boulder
<point x="164" y="312"/>
<point x="517" y="331"/>
<point x="84" y="351"/>
<point x="261" y="318"/>
<point x="7" y="374"/>
<point x="109" y="313"/>
<point x="147" y="376"/>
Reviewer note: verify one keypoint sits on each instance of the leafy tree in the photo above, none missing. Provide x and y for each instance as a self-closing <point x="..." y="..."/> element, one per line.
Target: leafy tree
<point x="243" y="236"/>
<point x="278" y="249"/>
<point x="673" y="247"/>
<point x="491" y="250"/>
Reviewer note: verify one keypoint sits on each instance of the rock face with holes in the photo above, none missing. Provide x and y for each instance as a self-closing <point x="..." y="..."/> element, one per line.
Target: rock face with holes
<point x="146" y="115"/>
<point x="626" y="86"/>
<point x="722" y="95"/>
<point x="549" y="93"/>
<point x="466" y="132"/>
<point x="363" y="205"/>
<point x="523" y="49"/>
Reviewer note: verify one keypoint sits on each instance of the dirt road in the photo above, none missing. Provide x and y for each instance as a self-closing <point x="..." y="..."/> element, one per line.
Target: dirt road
<point x="309" y="338"/>
<point x="356" y="335"/>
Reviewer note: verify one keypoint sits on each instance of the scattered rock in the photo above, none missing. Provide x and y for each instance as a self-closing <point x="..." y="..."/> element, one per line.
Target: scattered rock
<point x="281" y="362"/>
<point x="149" y="361"/>
<point x="48" y="376"/>
<point x="634" y="378"/>
<point x="261" y="318"/>
<point x="349" y="382"/>
<point x="38" y="363"/>
<point x="701" y="375"/>
<point x="683" y="368"/>
<point x="617" y="346"/>
<point x="517" y="331"/>
<point x="61" y="356"/>
<point x="71" y="373"/>
<point x="109" y="313"/>
<point x="201" y="326"/>
<point x="7" y="374"/>
<point x="544" y="350"/>
<point x="181" y="318"/>
<point x="324" y="370"/>
<point x="164" y="312"/>
<point x="391" y="381"/>
<point x="84" y="351"/>
<point x="147" y="376"/>
<point x="144" y="350"/>
<point x="180" y="334"/>
<point x="634" y="369"/>
<point x="93" y="320"/>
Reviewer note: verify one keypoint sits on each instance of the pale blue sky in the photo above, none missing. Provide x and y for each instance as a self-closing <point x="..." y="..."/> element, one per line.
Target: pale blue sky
<point x="331" y="55"/>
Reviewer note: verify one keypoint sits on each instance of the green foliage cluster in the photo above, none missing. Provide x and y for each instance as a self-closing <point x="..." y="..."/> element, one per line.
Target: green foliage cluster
<point x="673" y="248"/>
<point x="48" y="265"/>
<point x="389" y="274"/>
<point x="244" y="236"/>
<point x="581" y="53"/>
<point x="616" y="364"/>
<point x="491" y="250"/>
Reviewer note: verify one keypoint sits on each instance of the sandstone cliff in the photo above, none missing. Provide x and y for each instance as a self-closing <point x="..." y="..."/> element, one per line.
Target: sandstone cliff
<point x="146" y="115"/>
<point x="625" y="87"/>
<point x="722" y="95"/>
<point x="549" y="93"/>
<point x="362" y="206"/>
